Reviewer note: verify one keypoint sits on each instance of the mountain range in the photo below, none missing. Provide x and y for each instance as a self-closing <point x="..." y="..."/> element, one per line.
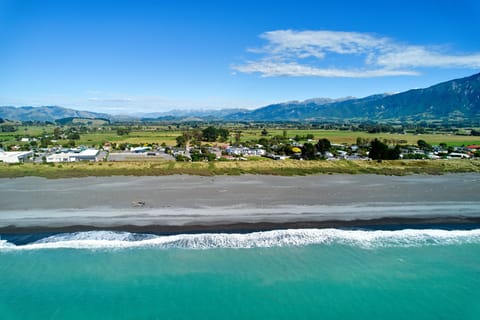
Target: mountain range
<point x="457" y="100"/>
<point x="47" y="113"/>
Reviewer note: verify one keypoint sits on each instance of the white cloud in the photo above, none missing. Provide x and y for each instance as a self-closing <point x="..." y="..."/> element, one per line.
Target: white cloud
<point x="417" y="56"/>
<point x="274" y="69"/>
<point x="330" y="54"/>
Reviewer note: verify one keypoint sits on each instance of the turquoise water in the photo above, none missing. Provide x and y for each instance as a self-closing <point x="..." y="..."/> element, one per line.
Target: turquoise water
<point x="331" y="275"/>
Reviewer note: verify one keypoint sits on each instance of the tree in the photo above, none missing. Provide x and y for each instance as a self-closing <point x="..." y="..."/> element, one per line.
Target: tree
<point x="263" y="141"/>
<point x="362" y="142"/>
<point x="309" y="151"/>
<point x="323" y="145"/>
<point x="57" y="133"/>
<point x="422" y="144"/>
<point x="238" y="136"/>
<point x="8" y="128"/>
<point x="210" y="134"/>
<point x="475" y="132"/>
<point x="381" y="151"/>
<point x="197" y="135"/>
<point x="73" y="136"/>
<point x="181" y="141"/>
<point x="378" y="150"/>
<point x="123" y="131"/>
<point x="69" y="144"/>
<point x="264" y="132"/>
<point x="223" y="133"/>
<point x="44" y="142"/>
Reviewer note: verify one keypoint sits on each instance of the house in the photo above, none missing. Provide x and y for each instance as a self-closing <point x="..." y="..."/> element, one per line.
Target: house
<point x="244" y="151"/>
<point x="15" y="157"/>
<point x="473" y="148"/>
<point x="457" y="155"/>
<point x="140" y="149"/>
<point x="84" y="155"/>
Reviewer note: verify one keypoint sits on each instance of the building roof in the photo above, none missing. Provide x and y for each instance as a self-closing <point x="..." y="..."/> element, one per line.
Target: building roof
<point x="14" y="156"/>
<point x="14" y="153"/>
<point x="88" y="152"/>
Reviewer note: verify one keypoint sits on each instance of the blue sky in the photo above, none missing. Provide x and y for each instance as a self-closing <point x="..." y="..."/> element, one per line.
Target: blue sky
<point x="152" y="56"/>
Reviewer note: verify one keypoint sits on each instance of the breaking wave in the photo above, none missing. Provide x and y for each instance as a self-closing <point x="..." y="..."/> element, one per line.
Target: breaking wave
<point x="276" y="238"/>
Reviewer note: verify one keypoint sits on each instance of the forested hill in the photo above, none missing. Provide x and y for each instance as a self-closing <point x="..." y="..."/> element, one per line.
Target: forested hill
<point x="46" y="113"/>
<point x="456" y="99"/>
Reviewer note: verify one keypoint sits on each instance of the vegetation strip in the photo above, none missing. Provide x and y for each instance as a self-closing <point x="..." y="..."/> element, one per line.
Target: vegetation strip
<point x="282" y="168"/>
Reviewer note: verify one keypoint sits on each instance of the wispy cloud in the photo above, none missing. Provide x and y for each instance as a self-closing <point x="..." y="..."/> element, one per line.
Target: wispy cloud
<point x="346" y="54"/>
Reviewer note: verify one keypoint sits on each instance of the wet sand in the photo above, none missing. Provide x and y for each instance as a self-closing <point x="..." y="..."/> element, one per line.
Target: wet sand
<point x="230" y="203"/>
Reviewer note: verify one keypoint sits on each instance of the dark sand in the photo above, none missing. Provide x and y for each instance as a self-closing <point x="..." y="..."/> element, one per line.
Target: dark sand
<point x="246" y="203"/>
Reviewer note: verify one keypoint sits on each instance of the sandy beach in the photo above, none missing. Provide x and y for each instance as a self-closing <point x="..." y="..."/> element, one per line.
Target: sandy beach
<point x="250" y="202"/>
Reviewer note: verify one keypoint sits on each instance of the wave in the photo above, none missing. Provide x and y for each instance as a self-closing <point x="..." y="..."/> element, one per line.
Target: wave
<point x="277" y="238"/>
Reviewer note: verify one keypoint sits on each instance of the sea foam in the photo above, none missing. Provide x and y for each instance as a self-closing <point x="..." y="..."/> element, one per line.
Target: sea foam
<point x="277" y="238"/>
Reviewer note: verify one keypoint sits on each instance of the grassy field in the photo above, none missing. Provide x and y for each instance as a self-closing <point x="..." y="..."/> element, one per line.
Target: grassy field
<point x="159" y="135"/>
<point x="283" y="168"/>
<point x="335" y="136"/>
<point x="350" y="137"/>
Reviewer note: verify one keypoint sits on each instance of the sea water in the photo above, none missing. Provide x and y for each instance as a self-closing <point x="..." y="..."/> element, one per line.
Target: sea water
<point x="283" y="274"/>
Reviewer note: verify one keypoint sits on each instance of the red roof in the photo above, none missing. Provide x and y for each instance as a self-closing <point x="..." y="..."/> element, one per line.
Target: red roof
<point x="474" y="147"/>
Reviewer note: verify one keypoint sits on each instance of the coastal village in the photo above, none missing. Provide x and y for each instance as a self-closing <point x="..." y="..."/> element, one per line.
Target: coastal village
<point x="291" y="149"/>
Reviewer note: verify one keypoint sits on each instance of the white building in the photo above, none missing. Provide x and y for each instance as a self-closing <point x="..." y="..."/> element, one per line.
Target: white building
<point x="14" y="157"/>
<point x="458" y="155"/>
<point x="140" y="149"/>
<point x="85" y="155"/>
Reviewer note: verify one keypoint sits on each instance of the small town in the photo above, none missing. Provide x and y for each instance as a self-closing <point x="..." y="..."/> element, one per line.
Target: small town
<point x="299" y="148"/>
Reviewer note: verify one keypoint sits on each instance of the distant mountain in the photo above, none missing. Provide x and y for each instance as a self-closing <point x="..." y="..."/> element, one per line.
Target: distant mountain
<point x="46" y="113"/>
<point x="456" y="99"/>
<point x="289" y="111"/>
<point x="189" y="113"/>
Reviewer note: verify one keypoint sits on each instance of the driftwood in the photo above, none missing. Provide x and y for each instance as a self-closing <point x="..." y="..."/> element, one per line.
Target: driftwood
<point x="138" y="204"/>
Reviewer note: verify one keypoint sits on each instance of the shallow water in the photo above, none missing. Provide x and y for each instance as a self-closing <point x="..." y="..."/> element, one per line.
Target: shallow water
<point x="301" y="274"/>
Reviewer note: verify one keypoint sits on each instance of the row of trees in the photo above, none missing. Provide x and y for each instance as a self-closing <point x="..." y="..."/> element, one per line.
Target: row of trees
<point x="209" y="134"/>
<point x="381" y="151"/>
<point x="312" y="151"/>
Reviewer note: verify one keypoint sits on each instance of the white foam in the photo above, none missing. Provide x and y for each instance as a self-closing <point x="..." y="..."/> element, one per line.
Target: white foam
<point x="96" y="236"/>
<point x="277" y="238"/>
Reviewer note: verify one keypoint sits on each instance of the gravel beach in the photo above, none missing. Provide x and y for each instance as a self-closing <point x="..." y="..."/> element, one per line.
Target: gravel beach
<point x="192" y="203"/>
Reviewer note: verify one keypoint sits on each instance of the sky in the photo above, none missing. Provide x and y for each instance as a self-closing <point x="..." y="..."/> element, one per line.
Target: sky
<point x="128" y="57"/>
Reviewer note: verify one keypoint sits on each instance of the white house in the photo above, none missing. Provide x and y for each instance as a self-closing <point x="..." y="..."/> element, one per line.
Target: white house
<point x="85" y="155"/>
<point x="15" y="157"/>
<point x="140" y="149"/>
<point x="458" y="155"/>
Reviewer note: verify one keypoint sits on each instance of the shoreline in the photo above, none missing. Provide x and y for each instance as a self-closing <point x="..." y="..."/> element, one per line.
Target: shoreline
<point x="177" y="204"/>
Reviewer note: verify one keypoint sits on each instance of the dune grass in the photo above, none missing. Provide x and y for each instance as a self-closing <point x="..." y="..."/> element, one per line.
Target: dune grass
<point x="282" y="168"/>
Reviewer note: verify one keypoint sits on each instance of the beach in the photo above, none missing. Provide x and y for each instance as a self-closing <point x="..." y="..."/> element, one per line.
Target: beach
<point x="182" y="203"/>
<point x="243" y="247"/>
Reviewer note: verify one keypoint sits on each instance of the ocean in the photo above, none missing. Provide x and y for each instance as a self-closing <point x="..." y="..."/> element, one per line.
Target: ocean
<point x="281" y="274"/>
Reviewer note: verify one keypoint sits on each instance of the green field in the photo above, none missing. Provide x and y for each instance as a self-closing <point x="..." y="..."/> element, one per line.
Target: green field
<point x="161" y="134"/>
<point x="335" y="136"/>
